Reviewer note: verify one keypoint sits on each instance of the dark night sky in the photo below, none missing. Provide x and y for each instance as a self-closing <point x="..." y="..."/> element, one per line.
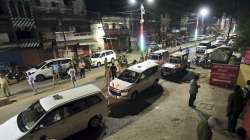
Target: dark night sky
<point x="169" y="6"/>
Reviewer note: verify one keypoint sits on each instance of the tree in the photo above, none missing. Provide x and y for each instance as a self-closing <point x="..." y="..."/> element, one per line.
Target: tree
<point x="243" y="38"/>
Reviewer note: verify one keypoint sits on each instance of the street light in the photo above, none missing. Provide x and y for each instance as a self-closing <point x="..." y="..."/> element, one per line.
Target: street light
<point x="142" y="39"/>
<point x="132" y="2"/>
<point x="203" y="12"/>
<point x="150" y="1"/>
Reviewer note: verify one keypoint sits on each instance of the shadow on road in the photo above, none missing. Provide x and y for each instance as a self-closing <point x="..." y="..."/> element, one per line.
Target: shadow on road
<point x="89" y="134"/>
<point x="144" y="100"/>
<point x="181" y="77"/>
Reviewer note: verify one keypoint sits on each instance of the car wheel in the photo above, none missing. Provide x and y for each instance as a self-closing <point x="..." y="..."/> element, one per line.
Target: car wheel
<point x="99" y="64"/>
<point x="155" y="84"/>
<point x="134" y="96"/>
<point x="112" y="60"/>
<point x="40" y="78"/>
<point x="95" y="121"/>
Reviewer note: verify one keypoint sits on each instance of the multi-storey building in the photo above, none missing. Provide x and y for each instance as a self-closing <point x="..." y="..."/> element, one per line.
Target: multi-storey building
<point x="27" y="28"/>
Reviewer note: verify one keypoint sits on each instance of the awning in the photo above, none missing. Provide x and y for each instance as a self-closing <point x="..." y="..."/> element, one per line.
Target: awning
<point x="23" y="23"/>
<point x="29" y="44"/>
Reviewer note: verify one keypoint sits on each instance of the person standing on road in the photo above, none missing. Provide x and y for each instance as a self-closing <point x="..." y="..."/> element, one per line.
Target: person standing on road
<point x="32" y="82"/>
<point x="194" y="87"/>
<point x="235" y="106"/>
<point x="72" y="74"/>
<point x="246" y="90"/>
<point x="4" y="85"/>
<point x="113" y="69"/>
<point x="108" y="75"/>
<point x="55" y="72"/>
<point x="82" y="68"/>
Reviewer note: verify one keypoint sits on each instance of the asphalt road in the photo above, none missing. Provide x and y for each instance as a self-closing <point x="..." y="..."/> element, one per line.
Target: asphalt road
<point x="122" y="113"/>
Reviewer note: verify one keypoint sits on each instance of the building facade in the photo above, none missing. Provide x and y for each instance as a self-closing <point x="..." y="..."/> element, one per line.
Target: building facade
<point x="29" y="26"/>
<point x="117" y="32"/>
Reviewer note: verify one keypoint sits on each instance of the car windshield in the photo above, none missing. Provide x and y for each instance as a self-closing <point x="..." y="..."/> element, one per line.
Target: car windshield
<point x="96" y="55"/>
<point x="175" y="60"/>
<point x="154" y="57"/>
<point x="40" y="65"/>
<point x="203" y="44"/>
<point x="129" y="76"/>
<point x="28" y="118"/>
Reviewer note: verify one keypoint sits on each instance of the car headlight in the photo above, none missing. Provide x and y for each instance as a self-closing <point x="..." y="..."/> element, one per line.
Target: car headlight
<point x="125" y="92"/>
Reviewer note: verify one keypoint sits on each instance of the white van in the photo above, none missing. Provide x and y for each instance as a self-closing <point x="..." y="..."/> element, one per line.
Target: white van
<point x="44" y="69"/>
<point x="58" y="116"/>
<point x="99" y="58"/>
<point x="160" y="57"/>
<point x="134" y="80"/>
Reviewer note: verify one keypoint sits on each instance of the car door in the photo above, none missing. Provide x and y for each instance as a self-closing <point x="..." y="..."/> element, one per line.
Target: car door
<point x="46" y="70"/>
<point x="52" y="126"/>
<point x="77" y="113"/>
<point x="143" y="82"/>
<point x="103" y="57"/>
<point x="96" y="106"/>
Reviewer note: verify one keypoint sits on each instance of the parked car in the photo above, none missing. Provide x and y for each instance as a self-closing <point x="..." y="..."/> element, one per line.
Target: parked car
<point x="99" y="58"/>
<point x="44" y="69"/>
<point x="203" y="46"/>
<point x="178" y="62"/>
<point x="152" y="46"/>
<point x="134" y="80"/>
<point x="220" y="41"/>
<point x="58" y="116"/>
<point x="160" y="57"/>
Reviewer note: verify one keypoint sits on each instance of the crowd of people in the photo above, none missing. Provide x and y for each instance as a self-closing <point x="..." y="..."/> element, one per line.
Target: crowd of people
<point x="238" y="101"/>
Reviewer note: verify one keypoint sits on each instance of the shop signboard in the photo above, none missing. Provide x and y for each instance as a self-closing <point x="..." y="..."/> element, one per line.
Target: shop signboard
<point x="224" y="75"/>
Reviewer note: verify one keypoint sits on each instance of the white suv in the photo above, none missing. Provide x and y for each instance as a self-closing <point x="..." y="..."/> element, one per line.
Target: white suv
<point x="44" y="69"/>
<point x="99" y="58"/>
<point x="58" y="116"/>
<point x="134" y="80"/>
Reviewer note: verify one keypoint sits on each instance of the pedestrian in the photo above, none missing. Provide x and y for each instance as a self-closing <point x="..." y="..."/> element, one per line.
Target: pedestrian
<point x="113" y="69"/>
<point x="82" y="68"/>
<point x="235" y="106"/>
<point x="4" y="85"/>
<point x="106" y="63"/>
<point x="242" y="133"/>
<point x="107" y="76"/>
<point x="194" y="87"/>
<point x="74" y="62"/>
<point x="204" y="130"/>
<point x="55" y="72"/>
<point x="88" y="61"/>
<point x="31" y="82"/>
<point x="72" y="74"/>
<point x="119" y="60"/>
<point x="246" y="90"/>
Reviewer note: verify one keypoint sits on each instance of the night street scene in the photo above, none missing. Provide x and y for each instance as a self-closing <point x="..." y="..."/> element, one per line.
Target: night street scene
<point x="124" y="69"/>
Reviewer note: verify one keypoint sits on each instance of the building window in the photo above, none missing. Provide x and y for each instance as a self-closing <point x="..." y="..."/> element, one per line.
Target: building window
<point x="13" y="8"/>
<point x="164" y="15"/>
<point x="53" y="4"/>
<point x="20" y="9"/>
<point x="27" y="9"/>
<point x="67" y="2"/>
<point x="23" y="35"/>
<point x="113" y="26"/>
<point x="37" y="2"/>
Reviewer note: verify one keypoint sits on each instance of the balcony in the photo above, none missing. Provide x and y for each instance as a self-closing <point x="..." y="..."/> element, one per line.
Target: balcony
<point x="116" y="32"/>
<point x="53" y="10"/>
<point x="71" y="36"/>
